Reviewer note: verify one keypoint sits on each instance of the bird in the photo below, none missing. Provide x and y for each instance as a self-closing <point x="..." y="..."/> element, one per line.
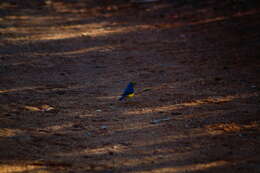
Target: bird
<point x="128" y="92"/>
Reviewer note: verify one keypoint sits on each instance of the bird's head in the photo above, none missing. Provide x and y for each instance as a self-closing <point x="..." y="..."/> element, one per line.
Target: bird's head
<point x="132" y="83"/>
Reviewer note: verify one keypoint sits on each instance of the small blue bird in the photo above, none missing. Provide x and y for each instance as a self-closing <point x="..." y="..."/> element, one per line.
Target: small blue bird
<point x="128" y="92"/>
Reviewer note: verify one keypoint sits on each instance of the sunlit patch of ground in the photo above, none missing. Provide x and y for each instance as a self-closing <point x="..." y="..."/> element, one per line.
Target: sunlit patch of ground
<point x="22" y="168"/>
<point x="230" y="127"/>
<point x="188" y="168"/>
<point x="212" y="100"/>
<point x="7" y="132"/>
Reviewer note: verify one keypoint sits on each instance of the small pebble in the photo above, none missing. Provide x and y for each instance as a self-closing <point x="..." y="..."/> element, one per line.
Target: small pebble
<point x="88" y="134"/>
<point x="103" y="127"/>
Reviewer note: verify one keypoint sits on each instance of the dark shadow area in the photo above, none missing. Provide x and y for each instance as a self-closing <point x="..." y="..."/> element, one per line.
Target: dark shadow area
<point x="64" y="63"/>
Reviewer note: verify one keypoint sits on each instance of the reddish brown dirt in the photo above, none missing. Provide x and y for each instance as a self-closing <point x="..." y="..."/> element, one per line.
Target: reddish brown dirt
<point x="63" y="66"/>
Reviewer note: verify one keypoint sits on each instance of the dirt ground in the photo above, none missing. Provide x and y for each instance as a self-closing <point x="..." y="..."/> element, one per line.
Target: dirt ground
<point x="64" y="64"/>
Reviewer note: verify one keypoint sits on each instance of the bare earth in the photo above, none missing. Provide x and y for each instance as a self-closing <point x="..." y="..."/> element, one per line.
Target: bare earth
<point x="63" y="66"/>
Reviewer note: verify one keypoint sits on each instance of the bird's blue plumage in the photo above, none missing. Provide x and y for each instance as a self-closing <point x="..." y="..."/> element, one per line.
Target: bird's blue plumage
<point x="129" y="90"/>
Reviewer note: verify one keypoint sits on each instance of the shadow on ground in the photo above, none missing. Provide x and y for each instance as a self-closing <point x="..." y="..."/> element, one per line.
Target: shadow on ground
<point x="63" y="65"/>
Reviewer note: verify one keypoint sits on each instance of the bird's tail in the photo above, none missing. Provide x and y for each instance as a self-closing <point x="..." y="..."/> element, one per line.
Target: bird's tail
<point x="121" y="98"/>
